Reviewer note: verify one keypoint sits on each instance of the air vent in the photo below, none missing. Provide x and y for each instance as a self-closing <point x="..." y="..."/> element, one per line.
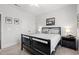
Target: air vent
<point x="17" y="5"/>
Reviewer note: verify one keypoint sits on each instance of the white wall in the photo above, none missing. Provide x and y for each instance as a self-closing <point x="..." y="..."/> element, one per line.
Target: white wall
<point x="65" y="16"/>
<point x="11" y="32"/>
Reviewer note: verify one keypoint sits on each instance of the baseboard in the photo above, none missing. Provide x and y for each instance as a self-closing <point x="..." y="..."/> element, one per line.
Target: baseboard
<point x="8" y="45"/>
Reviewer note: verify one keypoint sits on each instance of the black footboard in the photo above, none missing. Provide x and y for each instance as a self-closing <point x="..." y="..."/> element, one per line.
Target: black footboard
<point x="36" y="46"/>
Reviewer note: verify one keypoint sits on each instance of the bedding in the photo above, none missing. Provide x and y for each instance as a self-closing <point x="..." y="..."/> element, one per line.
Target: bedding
<point x="54" y="38"/>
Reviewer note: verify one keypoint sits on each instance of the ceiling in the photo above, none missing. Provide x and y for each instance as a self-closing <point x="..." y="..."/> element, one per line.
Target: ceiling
<point x="40" y="9"/>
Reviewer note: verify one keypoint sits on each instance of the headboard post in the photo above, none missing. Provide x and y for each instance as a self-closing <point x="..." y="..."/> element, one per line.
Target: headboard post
<point x="60" y="30"/>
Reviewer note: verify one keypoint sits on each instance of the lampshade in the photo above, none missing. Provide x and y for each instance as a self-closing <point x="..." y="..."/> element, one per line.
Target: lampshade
<point x="39" y="29"/>
<point x="67" y="30"/>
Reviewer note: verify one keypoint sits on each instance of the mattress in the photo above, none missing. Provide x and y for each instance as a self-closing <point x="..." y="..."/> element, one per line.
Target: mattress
<point x="54" y="38"/>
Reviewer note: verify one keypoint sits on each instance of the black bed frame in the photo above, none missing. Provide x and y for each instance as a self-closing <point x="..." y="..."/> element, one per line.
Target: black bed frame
<point x="36" y="47"/>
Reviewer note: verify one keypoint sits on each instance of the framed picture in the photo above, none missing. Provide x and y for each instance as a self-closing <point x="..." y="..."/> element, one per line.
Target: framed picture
<point x="16" y="21"/>
<point x="50" y="21"/>
<point x="8" y="20"/>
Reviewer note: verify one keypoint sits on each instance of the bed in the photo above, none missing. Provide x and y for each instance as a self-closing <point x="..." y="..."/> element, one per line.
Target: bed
<point x="44" y="43"/>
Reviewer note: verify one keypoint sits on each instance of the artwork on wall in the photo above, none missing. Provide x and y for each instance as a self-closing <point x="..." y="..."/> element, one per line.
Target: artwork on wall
<point x="50" y="21"/>
<point x="8" y="20"/>
<point x="16" y="21"/>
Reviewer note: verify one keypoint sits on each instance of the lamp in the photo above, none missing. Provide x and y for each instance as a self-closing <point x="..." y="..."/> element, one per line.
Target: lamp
<point x="39" y="29"/>
<point x="67" y="30"/>
<point x="36" y="5"/>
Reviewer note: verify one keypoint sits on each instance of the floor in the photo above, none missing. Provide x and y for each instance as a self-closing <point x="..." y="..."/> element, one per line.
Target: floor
<point x="15" y="50"/>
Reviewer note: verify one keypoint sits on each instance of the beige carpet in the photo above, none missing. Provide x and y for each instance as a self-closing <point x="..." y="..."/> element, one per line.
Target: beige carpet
<point x="66" y="51"/>
<point x="15" y="50"/>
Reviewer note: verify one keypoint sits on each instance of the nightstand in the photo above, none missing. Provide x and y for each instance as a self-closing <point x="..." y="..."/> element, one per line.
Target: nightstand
<point x="69" y="42"/>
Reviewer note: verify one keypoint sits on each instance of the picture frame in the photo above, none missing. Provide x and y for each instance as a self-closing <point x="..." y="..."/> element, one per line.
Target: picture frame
<point x="8" y="20"/>
<point x="16" y="20"/>
<point x="50" y="21"/>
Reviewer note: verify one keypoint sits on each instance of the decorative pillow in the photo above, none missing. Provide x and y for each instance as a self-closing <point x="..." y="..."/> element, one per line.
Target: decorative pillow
<point x="53" y="31"/>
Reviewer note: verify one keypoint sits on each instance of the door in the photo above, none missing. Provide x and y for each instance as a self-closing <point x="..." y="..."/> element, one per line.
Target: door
<point x="0" y="31"/>
<point x="78" y="30"/>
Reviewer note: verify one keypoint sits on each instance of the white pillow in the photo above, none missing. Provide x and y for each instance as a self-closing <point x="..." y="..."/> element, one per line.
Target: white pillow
<point x="53" y="31"/>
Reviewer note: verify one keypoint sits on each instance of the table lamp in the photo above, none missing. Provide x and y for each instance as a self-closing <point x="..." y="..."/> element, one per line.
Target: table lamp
<point x="67" y="29"/>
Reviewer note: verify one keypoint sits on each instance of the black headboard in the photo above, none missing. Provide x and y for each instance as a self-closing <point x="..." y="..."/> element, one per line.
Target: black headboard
<point x="51" y="30"/>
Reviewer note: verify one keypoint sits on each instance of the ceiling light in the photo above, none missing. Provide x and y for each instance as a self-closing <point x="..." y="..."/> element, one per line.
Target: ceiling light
<point x="35" y="4"/>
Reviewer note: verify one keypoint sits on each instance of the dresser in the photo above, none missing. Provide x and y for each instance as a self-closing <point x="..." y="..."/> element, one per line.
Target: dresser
<point x="69" y="42"/>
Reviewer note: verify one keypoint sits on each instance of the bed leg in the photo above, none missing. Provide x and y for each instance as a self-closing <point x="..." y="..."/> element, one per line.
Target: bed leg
<point x="21" y="47"/>
<point x="21" y="41"/>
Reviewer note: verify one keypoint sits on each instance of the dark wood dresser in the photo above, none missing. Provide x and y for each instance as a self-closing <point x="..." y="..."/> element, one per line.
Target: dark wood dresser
<point x="69" y="42"/>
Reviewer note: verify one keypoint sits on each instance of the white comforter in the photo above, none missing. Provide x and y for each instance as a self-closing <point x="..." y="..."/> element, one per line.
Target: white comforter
<point x="54" y="38"/>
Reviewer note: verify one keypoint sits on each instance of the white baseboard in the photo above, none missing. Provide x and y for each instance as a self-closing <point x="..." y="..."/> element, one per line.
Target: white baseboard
<point x="8" y="45"/>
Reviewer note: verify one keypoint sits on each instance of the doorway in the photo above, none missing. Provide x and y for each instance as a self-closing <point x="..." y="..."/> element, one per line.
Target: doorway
<point x="0" y="31"/>
<point x="78" y="30"/>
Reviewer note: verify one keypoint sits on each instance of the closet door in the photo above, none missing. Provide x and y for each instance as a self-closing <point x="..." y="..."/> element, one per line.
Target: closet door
<point x="77" y="30"/>
<point x="0" y="31"/>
